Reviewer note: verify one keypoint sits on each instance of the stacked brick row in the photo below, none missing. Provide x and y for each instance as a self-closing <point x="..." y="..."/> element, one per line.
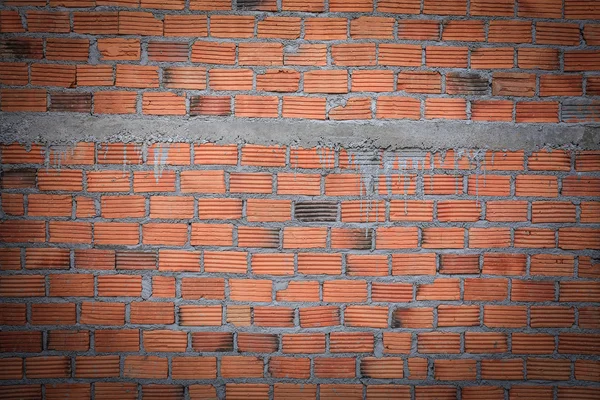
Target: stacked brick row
<point x="480" y="60"/>
<point x="197" y="271"/>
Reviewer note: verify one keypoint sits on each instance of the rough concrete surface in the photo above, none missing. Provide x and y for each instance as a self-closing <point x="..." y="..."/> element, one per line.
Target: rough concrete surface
<point x="68" y="128"/>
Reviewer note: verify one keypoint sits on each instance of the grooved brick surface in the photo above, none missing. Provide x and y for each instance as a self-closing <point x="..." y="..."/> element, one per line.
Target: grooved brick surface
<point x="202" y="271"/>
<point x="484" y="61"/>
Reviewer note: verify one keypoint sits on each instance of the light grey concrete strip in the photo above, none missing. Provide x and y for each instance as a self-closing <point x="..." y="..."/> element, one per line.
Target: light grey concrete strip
<point x="430" y="135"/>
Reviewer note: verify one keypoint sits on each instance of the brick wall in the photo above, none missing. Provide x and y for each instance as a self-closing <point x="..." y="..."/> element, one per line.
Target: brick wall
<point x="479" y="60"/>
<point x="195" y="271"/>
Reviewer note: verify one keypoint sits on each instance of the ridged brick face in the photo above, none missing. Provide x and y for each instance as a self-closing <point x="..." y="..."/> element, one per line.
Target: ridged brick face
<point x="486" y="61"/>
<point x="202" y="271"/>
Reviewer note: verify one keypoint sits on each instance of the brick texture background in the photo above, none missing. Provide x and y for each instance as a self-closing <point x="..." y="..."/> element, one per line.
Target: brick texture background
<point x="198" y="271"/>
<point x="480" y="60"/>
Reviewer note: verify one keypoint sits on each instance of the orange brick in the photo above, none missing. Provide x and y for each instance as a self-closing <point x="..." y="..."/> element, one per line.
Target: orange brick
<point x="538" y="58"/>
<point x="492" y="110"/>
<point x="10" y="22"/>
<point x="326" y="81"/>
<point x="163" y="103"/>
<point x="115" y="102"/>
<point x="169" y="154"/>
<point x="354" y="54"/>
<point x="71" y="285"/>
<point x="139" y="23"/>
<point x="445" y="108"/>
<point x="464" y="31"/>
<point x="325" y="28"/>
<point x="31" y="48"/>
<point x="580" y="186"/>
<point x="48" y="21"/>
<point x="232" y="26"/>
<point x="16" y="74"/>
<point x="210" y="105"/>
<point x="419" y="82"/>
<point x="355" y="108"/>
<point x="23" y="100"/>
<point x="438" y="342"/>
<point x="96" y="23"/>
<point x="119" y="49"/>
<point x="206" y="5"/>
<point x="505" y="316"/>
<point x="508" y="31"/>
<point x="537" y="111"/>
<point x="417" y="29"/>
<point x="398" y="108"/>
<point x="278" y="80"/>
<point x="304" y="5"/>
<point x="536" y="185"/>
<point x="151" y="313"/>
<point x="492" y="58"/>
<point x="256" y="106"/>
<point x="540" y="8"/>
<point x="212" y="181"/>
<point x="446" y="56"/>
<point x="59" y="49"/>
<point x="279" y="28"/>
<point x="400" y="55"/>
<point x="213" y="53"/>
<point x="164" y="5"/>
<point x="502" y="8"/>
<point x="399" y="7"/>
<point x="260" y="54"/>
<point x="95" y="259"/>
<point x="372" y="28"/>
<point x="304" y="107"/>
<point x="485" y="289"/>
<point x="452" y="7"/>
<point x="440" y="289"/>
<point x="137" y="76"/>
<point x="185" y="25"/>
<point x="123" y="233"/>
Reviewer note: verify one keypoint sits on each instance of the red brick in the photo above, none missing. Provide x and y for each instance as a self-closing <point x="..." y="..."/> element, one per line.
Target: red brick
<point x="10" y="22"/>
<point x="185" y="25"/>
<point x="354" y="54"/>
<point x="279" y="28"/>
<point x="59" y="49"/>
<point x="464" y="31"/>
<point x="96" y="23"/>
<point x="540" y="8"/>
<point x="325" y="28"/>
<point x="440" y="7"/>
<point x="538" y="58"/>
<point x="400" y="7"/>
<point x="213" y="53"/>
<point x="14" y="74"/>
<point x="260" y="54"/>
<point x="446" y="56"/>
<point x="48" y="21"/>
<point x="163" y="103"/>
<point x="23" y="100"/>
<point x="509" y="31"/>
<point x="537" y="111"/>
<point x="114" y="102"/>
<point x="256" y="106"/>
<point x="372" y="28"/>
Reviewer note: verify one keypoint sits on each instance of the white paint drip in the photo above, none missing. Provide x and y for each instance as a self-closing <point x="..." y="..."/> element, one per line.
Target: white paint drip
<point x="161" y="154"/>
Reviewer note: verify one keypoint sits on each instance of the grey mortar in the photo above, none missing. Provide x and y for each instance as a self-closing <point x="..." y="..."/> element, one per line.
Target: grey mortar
<point x="62" y="128"/>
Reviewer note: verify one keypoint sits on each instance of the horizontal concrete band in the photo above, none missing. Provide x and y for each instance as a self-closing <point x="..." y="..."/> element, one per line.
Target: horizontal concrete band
<point x="429" y="135"/>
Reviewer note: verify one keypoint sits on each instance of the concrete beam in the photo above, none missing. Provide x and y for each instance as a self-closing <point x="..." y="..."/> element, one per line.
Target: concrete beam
<point x="429" y="135"/>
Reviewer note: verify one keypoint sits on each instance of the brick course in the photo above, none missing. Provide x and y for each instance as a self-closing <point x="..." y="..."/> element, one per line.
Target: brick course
<point x="201" y="270"/>
<point x="531" y="61"/>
